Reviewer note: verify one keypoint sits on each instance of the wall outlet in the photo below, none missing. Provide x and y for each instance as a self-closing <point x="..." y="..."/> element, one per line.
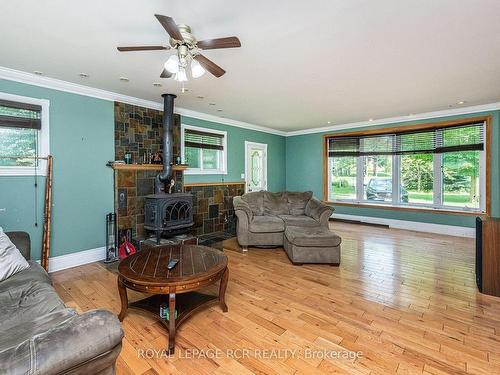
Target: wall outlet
<point x="3" y="210"/>
<point x="242" y="175"/>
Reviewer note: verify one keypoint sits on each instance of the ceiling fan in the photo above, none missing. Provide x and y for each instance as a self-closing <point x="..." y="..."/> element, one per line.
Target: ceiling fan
<point x="188" y="51"/>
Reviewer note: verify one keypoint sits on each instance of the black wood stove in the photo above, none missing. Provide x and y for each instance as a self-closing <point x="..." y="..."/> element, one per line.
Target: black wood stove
<point x="166" y="212"/>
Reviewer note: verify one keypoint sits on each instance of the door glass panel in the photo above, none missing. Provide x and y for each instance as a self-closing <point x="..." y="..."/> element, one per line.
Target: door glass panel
<point x="377" y="178"/>
<point x="256" y="167"/>
<point x="342" y="177"/>
<point x="417" y="179"/>
<point x="461" y="179"/>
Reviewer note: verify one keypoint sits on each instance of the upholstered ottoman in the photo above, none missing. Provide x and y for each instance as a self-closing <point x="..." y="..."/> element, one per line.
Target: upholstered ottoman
<point x="312" y="245"/>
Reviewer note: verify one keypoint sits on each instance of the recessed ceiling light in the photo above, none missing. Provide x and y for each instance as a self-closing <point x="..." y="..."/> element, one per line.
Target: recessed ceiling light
<point x="461" y="102"/>
<point x="328" y="122"/>
<point x="370" y="119"/>
<point x="211" y="103"/>
<point x="156" y="84"/>
<point x="38" y="73"/>
<point x="83" y="75"/>
<point x="124" y="79"/>
<point x="200" y="97"/>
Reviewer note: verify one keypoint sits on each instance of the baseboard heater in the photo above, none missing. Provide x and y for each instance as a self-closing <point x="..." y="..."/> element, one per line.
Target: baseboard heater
<point x="359" y="222"/>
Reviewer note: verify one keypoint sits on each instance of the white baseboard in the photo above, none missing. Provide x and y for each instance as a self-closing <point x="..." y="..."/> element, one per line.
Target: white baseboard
<point x="450" y="230"/>
<point x="79" y="258"/>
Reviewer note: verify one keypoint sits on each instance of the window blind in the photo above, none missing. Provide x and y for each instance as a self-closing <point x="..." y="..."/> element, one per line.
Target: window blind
<point x="20" y="115"/>
<point x="205" y="140"/>
<point x="467" y="137"/>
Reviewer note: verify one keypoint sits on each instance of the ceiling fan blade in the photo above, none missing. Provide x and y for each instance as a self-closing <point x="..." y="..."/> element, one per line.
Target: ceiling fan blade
<point x="165" y="74"/>
<point x="229" y="42"/>
<point x="170" y="26"/>
<point x="209" y="65"/>
<point x="141" y="48"/>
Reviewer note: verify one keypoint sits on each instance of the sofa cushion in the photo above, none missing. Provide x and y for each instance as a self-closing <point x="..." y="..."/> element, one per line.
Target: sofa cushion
<point x="299" y="221"/>
<point x="11" y="260"/>
<point x="256" y="202"/>
<point x="266" y="224"/>
<point x="297" y="202"/>
<point x="13" y="335"/>
<point x="27" y="295"/>
<point x="78" y="344"/>
<point x="275" y="203"/>
<point x="313" y="237"/>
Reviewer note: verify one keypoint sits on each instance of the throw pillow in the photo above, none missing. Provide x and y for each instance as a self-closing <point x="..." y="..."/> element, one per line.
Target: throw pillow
<point x="11" y="260"/>
<point x="275" y="204"/>
<point x="256" y="202"/>
<point x="297" y="202"/>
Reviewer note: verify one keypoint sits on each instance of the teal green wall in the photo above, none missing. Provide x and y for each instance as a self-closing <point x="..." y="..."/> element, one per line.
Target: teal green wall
<point x="236" y="154"/>
<point x="304" y="160"/>
<point x="81" y="141"/>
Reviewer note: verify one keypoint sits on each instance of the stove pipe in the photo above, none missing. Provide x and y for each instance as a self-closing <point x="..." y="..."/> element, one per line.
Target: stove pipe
<point x="166" y="176"/>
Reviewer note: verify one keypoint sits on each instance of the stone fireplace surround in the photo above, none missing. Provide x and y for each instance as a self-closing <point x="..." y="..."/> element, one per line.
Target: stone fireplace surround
<point x="138" y="131"/>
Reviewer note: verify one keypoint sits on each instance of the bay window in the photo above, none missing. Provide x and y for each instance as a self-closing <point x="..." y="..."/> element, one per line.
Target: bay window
<point x="433" y="167"/>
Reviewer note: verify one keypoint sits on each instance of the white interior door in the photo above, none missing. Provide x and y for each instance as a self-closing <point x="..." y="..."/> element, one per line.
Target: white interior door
<point x="255" y="166"/>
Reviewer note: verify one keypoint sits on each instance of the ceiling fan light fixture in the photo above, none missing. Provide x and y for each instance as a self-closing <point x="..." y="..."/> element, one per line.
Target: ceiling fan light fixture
<point x="172" y="64"/>
<point x="196" y="69"/>
<point x="181" y="76"/>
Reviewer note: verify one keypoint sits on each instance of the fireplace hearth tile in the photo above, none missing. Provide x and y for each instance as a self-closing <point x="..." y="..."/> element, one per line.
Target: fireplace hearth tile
<point x="126" y="222"/>
<point x="126" y="179"/>
<point x="202" y="205"/>
<point x="213" y="211"/>
<point x="218" y="196"/>
<point x="208" y="226"/>
<point x="145" y="186"/>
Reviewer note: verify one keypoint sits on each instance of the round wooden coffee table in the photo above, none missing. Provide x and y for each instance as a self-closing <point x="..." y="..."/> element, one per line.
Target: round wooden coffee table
<point x="198" y="267"/>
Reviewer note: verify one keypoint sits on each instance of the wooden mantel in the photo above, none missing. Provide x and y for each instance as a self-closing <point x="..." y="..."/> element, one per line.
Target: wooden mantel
<point x="145" y="167"/>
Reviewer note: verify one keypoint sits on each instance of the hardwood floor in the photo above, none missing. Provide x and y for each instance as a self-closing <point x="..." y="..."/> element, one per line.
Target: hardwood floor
<point x="406" y="300"/>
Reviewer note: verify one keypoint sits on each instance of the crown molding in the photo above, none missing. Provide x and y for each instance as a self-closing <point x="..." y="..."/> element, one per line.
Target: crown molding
<point x="227" y="121"/>
<point x="74" y="88"/>
<point x="400" y="119"/>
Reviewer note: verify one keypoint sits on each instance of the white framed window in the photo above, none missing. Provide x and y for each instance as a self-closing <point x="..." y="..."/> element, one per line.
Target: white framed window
<point x="438" y="167"/>
<point x="24" y="135"/>
<point x="203" y="150"/>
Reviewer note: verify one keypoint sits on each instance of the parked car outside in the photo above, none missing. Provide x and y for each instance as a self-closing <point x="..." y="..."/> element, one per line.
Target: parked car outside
<point x="380" y="189"/>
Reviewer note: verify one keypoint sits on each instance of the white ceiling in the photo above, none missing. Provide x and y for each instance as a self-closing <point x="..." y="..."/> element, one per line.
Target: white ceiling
<point x="302" y="63"/>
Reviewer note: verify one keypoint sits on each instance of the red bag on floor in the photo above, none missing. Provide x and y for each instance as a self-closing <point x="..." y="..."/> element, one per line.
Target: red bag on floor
<point x="125" y="249"/>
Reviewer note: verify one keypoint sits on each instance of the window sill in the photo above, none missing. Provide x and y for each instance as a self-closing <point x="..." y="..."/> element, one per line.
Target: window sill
<point x="408" y="208"/>
<point x="6" y="171"/>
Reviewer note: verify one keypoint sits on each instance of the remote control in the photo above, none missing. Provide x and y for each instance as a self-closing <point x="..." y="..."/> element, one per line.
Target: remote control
<point x="172" y="263"/>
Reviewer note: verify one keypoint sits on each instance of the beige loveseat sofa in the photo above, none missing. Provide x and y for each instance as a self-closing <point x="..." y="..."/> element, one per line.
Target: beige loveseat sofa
<point x="264" y="218"/>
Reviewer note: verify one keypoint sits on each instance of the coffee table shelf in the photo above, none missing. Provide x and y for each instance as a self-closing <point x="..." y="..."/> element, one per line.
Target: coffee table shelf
<point x="186" y="305"/>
